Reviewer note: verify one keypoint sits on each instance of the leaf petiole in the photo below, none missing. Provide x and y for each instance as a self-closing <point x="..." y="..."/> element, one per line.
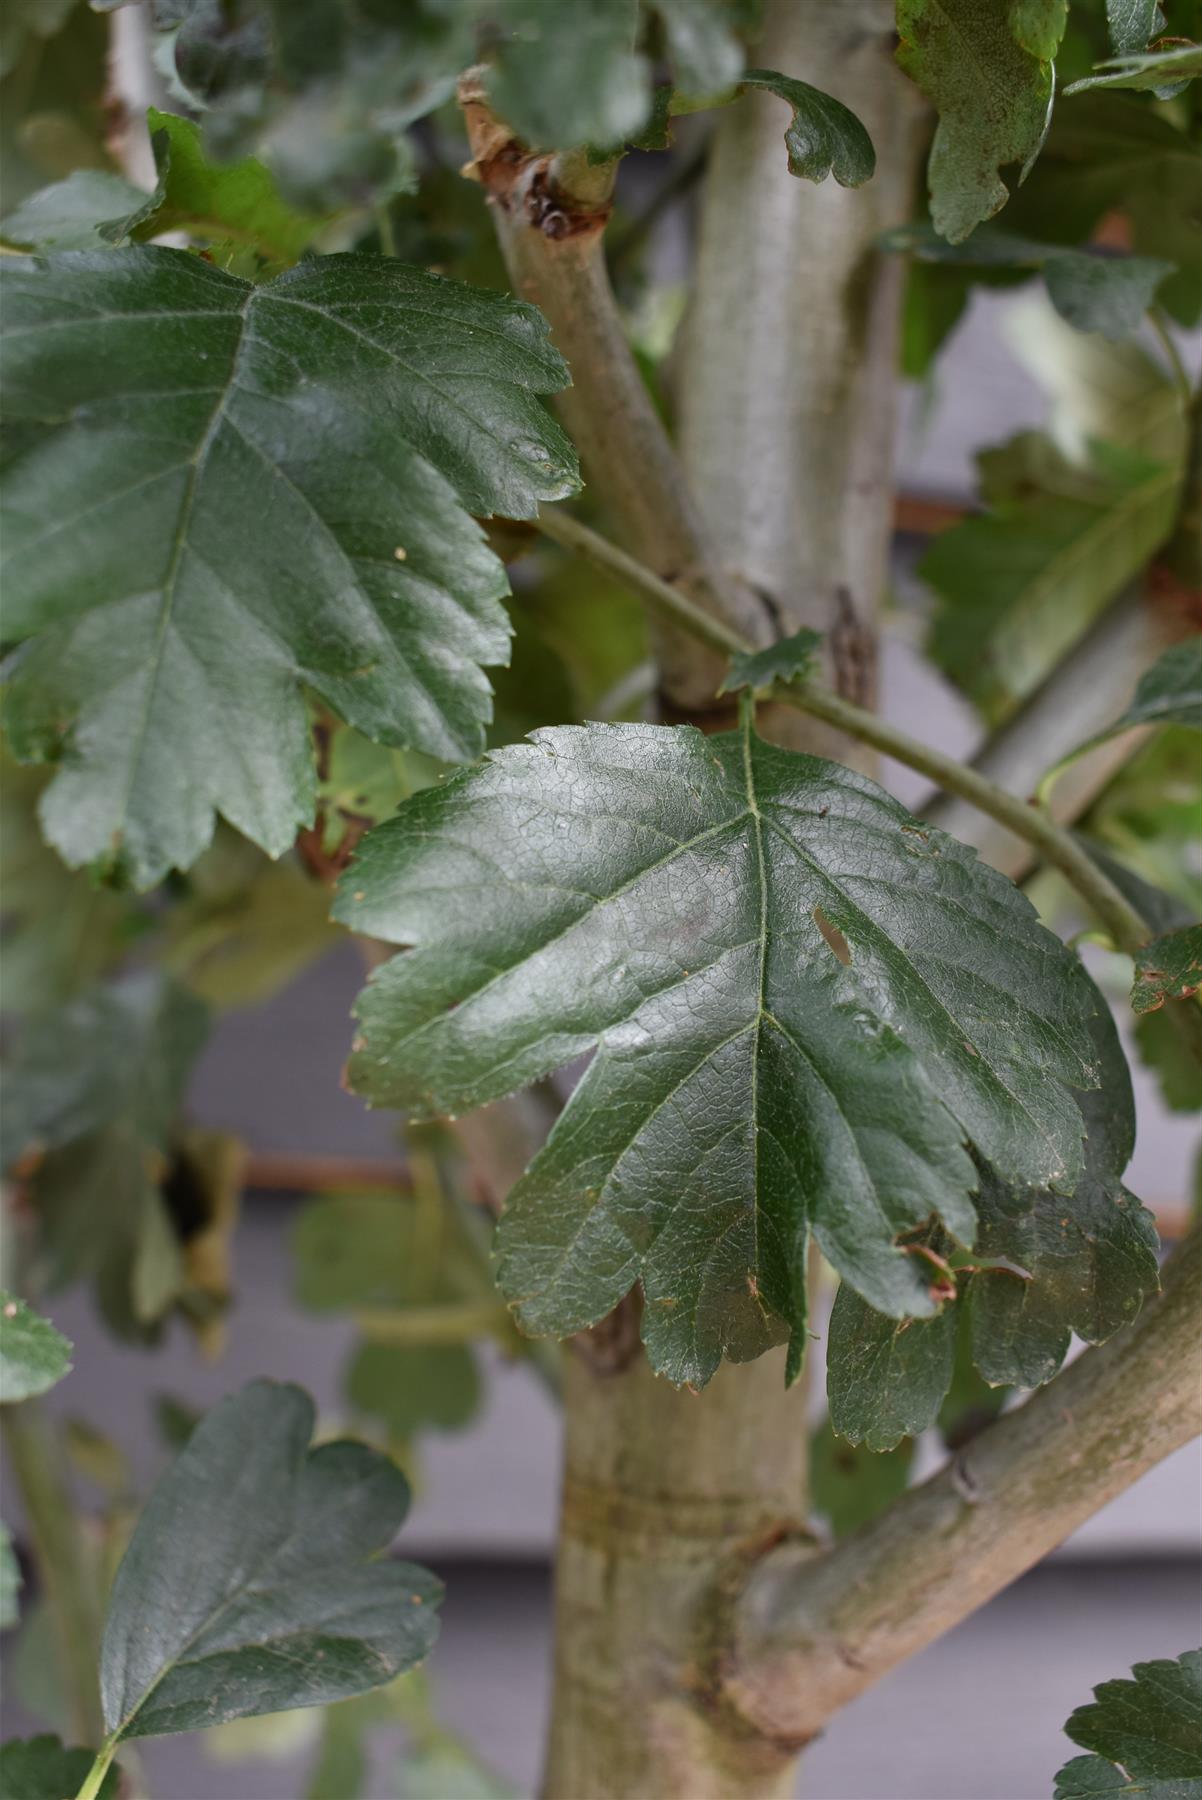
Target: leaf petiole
<point x="99" y="1769"/>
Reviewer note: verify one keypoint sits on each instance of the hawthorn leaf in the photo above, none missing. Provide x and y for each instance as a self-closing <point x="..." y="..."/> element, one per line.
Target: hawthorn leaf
<point x="255" y="1579"/>
<point x="1093" y="290"/>
<point x="784" y="660"/>
<point x="849" y="1484"/>
<point x="1019" y="583"/>
<point x="68" y="214"/>
<point x="886" y="1378"/>
<point x="42" y="1768"/>
<point x="706" y="54"/>
<point x="679" y="902"/>
<point x="1166" y="72"/>
<point x="993" y="98"/>
<point x="1038" y="25"/>
<point x="1170" y="692"/>
<point x="1049" y="1269"/>
<point x="1168" y="968"/>
<point x="235" y="202"/>
<point x="10" y="1586"/>
<point x="824" y="137"/>
<point x="1133" y="24"/>
<point x="1150" y="1727"/>
<point x="224" y="491"/>
<point x="572" y="74"/>
<point x="33" y="1355"/>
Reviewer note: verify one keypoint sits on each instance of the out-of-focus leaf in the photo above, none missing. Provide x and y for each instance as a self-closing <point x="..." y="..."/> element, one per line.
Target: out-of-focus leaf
<point x="1039" y="25"/>
<point x="1163" y="1050"/>
<point x="849" y="1483"/>
<point x="10" y="1585"/>
<point x="971" y="1402"/>
<point x="52" y="101"/>
<point x="414" y="1388"/>
<point x="98" y="1458"/>
<point x="1163" y="71"/>
<point x="824" y="137"/>
<point x="246" y="926"/>
<point x="449" y="1771"/>
<point x="1094" y="290"/>
<point x="331" y="433"/>
<point x="1019" y="584"/>
<point x="886" y="1378"/>
<point x="68" y="214"/>
<point x="1108" y="153"/>
<point x="1169" y="968"/>
<point x="993" y="97"/>
<point x="1170" y="693"/>
<point x="97" y="1083"/>
<point x="572" y="74"/>
<point x="174" y="1420"/>
<point x="235" y="202"/>
<point x="1146" y="1734"/>
<point x="269" y="1737"/>
<point x="782" y="661"/>
<point x="42" y="1769"/>
<point x="29" y="19"/>
<point x="1163" y="911"/>
<point x="61" y="930"/>
<point x="353" y="1250"/>
<point x="254" y="1581"/>
<point x="33" y="1355"/>
<point x="679" y="883"/>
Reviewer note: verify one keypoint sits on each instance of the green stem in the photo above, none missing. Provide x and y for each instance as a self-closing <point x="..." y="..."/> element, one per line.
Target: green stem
<point x="98" y="1771"/>
<point x="1124" y="925"/>
<point x="58" y="1550"/>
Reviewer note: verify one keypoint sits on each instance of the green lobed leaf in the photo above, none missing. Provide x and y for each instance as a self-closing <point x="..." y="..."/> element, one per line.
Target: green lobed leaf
<point x="41" y="1768"/>
<point x="849" y="1484"/>
<point x="237" y="202"/>
<point x="255" y="1579"/>
<point x="1170" y="692"/>
<point x="823" y="137"/>
<point x="1085" y="1268"/>
<point x="886" y="1378"/>
<point x="1168" y="968"/>
<point x="68" y="214"/>
<point x="993" y="98"/>
<point x="1018" y="584"/>
<point x="243" y="489"/>
<point x="784" y="660"/>
<point x="1150" y="1726"/>
<point x="33" y="1355"/>
<point x="1163" y="71"/>
<point x="1094" y="290"/>
<point x="680" y="901"/>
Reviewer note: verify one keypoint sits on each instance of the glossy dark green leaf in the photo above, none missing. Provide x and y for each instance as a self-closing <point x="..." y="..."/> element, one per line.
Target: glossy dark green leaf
<point x="850" y="1484"/>
<point x="414" y="1388"/>
<point x="680" y="901"/>
<point x="787" y="658"/>
<point x="1163" y="71"/>
<point x="33" y="1355"/>
<point x="824" y="137"/>
<point x="1168" y="968"/>
<point x="886" y="1378"/>
<point x="1150" y="1727"/>
<point x="993" y="98"/>
<point x="242" y="489"/>
<point x="42" y="1768"/>
<point x="1057" y="1269"/>
<point x="255" y="1580"/>
<point x="1094" y="290"/>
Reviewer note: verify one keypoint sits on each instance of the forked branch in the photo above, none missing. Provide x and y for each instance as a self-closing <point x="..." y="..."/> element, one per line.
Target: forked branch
<point x="813" y="1632"/>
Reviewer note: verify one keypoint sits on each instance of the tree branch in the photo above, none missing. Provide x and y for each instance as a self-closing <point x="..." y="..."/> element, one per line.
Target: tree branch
<point x="813" y="1632"/>
<point x="550" y="213"/>
<point x="1056" y="845"/>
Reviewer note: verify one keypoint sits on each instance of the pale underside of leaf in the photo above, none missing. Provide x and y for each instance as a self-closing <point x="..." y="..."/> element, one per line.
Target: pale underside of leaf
<point x="659" y="894"/>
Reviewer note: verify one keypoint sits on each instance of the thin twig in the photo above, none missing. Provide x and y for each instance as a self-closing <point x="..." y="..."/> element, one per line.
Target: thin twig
<point x="1124" y="925"/>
